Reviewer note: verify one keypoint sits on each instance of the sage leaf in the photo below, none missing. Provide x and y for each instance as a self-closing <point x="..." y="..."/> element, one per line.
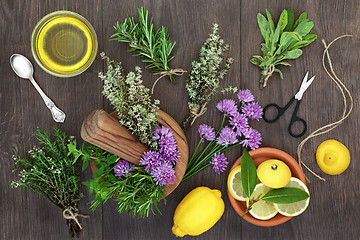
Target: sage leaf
<point x="302" y="18"/>
<point x="285" y="195"/>
<point x="248" y="173"/>
<point x="304" y="27"/>
<point x="283" y="20"/>
<point x="293" y="54"/>
<point x="275" y="40"/>
<point x="284" y="63"/>
<point x="264" y="27"/>
<point x="279" y="72"/>
<point x="270" y="20"/>
<point x="290" y="22"/>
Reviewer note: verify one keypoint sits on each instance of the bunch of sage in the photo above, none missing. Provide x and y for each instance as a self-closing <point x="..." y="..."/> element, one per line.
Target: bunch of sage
<point x="281" y="43"/>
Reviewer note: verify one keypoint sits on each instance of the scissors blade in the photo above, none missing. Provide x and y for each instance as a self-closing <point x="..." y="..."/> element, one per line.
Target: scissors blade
<point x="304" y="86"/>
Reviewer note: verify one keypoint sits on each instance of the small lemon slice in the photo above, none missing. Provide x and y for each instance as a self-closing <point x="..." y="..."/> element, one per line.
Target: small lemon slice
<point x="261" y="209"/>
<point x="234" y="184"/>
<point x="294" y="209"/>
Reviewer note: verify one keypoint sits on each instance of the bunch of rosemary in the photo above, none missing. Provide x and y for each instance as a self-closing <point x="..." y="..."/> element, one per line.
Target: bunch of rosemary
<point x="154" y="47"/>
<point x="131" y="100"/>
<point x="136" y="193"/>
<point x="204" y="79"/>
<point x="52" y="173"/>
<point x="281" y="43"/>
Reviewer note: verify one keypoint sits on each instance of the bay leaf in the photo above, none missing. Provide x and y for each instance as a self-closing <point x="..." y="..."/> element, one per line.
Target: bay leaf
<point x="248" y="173"/>
<point x="285" y="195"/>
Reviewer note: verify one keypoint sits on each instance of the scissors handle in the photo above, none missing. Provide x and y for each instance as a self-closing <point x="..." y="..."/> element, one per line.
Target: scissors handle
<point x="280" y="111"/>
<point x="295" y="119"/>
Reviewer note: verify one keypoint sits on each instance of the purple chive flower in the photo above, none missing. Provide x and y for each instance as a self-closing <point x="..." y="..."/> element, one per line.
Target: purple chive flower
<point x="245" y="96"/>
<point x="123" y="168"/>
<point x="252" y="138"/>
<point x="227" y="106"/>
<point x="150" y="160"/>
<point x="252" y="110"/>
<point x="239" y="122"/>
<point x="207" y="132"/>
<point x="172" y="158"/>
<point x="227" y="137"/>
<point x="163" y="174"/>
<point x="219" y="162"/>
<point x="161" y="131"/>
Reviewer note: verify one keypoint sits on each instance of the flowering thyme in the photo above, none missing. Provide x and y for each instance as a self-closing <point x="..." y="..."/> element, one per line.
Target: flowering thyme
<point x="131" y="100"/>
<point x="204" y="79"/>
<point x="52" y="173"/>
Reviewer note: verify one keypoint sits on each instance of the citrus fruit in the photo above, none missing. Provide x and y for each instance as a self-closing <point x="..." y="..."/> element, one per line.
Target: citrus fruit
<point x="296" y="208"/>
<point x="332" y="157"/>
<point x="198" y="212"/>
<point x="234" y="184"/>
<point x="274" y="173"/>
<point x="261" y="209"/>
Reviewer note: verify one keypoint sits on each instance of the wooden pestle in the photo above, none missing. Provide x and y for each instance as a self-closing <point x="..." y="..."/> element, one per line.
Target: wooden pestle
<point x="104" y="131"/>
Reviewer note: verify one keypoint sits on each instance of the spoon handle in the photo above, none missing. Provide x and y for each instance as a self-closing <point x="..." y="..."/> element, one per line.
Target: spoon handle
<point x="57" y="114"/>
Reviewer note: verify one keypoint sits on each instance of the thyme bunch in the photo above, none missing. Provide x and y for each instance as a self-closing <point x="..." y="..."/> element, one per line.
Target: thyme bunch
<point x="52" y="173"/>
<point x="131" y="100"/>
<point x="204" y="80"/>
<point x="136" y="193"/>
<point x="154" y="47"/>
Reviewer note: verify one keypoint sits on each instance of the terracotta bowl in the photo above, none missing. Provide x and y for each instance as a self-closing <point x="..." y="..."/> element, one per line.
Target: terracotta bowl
<point x="260" y="155"/>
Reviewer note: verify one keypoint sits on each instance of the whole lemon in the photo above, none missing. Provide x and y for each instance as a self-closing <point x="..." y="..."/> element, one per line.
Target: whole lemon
<point x="198" y="212"/>
<point x="332" y="157"/>
<point x="274" y="173"/>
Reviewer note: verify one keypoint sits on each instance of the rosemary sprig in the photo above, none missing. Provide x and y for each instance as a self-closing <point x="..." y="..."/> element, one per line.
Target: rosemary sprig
<point x="136" y="194"/>
<point x="51" y="173"/>
<point x="154" y="47"/>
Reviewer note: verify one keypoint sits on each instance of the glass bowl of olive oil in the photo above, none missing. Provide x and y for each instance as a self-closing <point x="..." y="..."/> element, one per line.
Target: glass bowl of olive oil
<point x="64" y="44"/>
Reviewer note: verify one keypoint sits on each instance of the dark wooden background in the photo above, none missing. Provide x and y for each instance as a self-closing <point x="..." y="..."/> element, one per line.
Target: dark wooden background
<point x="334" y="210"/>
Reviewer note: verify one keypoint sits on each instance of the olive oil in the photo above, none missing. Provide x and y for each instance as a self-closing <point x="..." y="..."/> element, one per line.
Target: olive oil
<point x="65" y="45"/>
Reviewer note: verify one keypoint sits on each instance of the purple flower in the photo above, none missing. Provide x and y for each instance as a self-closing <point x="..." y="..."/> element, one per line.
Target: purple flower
<point x="252" y="110"/>
<point x="227" y="137"/>
<point x="123" y="167"/>
<point x="150" y="160"/>
<point x="173" y="157"/>
<point x="207" y="132"/>
<point x="252" y="138"/>
<point x="245" y="96"/>
<point x="161" y="131"/>
<point x="239" y="122"/>
<point x="227" y="106"/>
<point x="163" y="174"/>
<point x="219" y="162"/>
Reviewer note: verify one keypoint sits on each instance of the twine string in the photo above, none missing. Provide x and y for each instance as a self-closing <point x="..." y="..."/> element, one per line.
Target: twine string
<point x="68" y="214"/>
<point x="176" y="72"/>
<point x="343" y="89"/>
<point x="197" y="113"/>
<point x="268" y="73"/>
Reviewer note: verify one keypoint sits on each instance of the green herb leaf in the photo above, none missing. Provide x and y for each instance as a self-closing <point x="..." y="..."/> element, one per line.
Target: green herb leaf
<point x="285" y="195"/>
<point x="293" y="54"/>
<point x="302" y="18"/>
<point x="264" y="27"/>
<point x="279" y="72"/>
<point x="270" y="20"/>
<point x="290" y="22"/>
<point x="283" y="20"/>
<point x="248" y="173"/>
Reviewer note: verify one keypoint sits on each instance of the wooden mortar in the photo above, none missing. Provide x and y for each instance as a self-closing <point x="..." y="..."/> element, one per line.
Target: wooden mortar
<point x="103" y="130"/>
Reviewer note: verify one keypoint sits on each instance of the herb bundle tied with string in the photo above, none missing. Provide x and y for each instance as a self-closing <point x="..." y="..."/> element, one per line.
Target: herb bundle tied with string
<point x="52" y="173"/>
<point x="204" y="80"/>
<point x="154" y="47"/>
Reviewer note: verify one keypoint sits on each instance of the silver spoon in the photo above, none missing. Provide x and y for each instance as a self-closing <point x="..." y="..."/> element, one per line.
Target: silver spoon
<point x="24" y="69"/>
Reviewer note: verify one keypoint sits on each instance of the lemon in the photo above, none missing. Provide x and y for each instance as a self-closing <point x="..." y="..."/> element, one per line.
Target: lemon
<point x="234" y="184"/>
<point x="296" y="208"/>
<point x="332" y="157"/>
<point x="261" y="209"/>
<point x="274" y="173"/>
<point x="198" y="212"/>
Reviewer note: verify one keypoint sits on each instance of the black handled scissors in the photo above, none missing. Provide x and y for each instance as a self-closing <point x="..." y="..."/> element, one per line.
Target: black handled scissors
<point x="281" y="110"/>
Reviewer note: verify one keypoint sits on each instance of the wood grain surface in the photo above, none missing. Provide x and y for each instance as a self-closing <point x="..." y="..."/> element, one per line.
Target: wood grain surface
<point x="334" y="210"/>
